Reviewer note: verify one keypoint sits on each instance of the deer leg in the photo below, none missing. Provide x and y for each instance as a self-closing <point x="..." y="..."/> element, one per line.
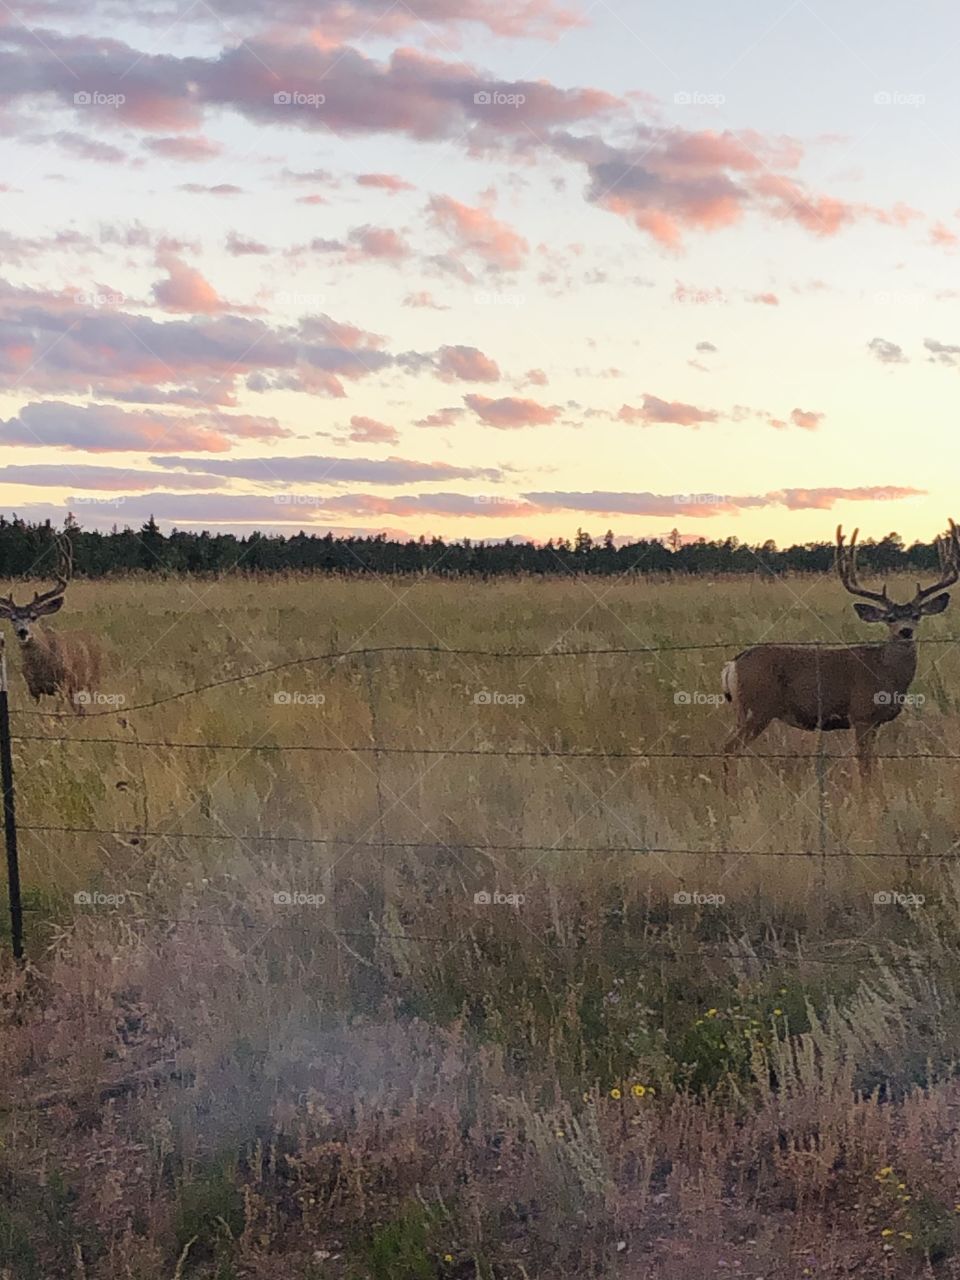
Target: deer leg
<point x="742" y="736"/>
<point x="866" y="737"/>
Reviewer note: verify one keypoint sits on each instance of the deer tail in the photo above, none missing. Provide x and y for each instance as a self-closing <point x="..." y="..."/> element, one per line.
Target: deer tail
<point x="728" y="680"/>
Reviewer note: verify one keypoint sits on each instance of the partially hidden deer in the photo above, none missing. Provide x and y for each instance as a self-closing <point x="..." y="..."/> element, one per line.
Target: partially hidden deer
<point x="52" y="663"/>
<point x="857" y="686"/>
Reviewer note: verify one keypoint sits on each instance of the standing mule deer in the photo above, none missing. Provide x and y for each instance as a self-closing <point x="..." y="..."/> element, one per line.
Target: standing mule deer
<point x="67" y="664"/>
<point x="857" y="686"/>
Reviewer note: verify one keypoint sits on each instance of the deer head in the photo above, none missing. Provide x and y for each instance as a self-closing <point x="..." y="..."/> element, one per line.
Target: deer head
<point x="23" y="616"/>
<point x="901" y="619"/>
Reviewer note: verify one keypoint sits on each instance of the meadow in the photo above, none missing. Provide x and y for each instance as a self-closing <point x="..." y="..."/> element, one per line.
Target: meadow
<point x="291" y="1041"/>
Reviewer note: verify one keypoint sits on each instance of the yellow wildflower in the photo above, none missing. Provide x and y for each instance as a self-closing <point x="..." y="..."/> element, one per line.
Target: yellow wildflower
<point x="638" y="1090"/>
<point x="615" y="1093"/>
<point x="887" y="1231"/>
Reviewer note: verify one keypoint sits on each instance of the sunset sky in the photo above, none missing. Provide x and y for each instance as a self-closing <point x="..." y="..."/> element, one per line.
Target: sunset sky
<point x="481" y="269"/>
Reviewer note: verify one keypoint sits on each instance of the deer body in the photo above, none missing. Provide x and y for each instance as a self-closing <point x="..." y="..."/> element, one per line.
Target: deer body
<point x="858" y="687"/>
<point x="65" y="664"/>
<point x="839" y="689"/>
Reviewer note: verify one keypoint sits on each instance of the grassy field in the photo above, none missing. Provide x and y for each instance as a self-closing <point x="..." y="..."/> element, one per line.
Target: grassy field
<point x="383" y="1077"/>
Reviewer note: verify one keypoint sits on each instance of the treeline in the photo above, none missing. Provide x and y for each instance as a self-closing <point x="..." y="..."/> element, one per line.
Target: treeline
<point x="29" y="550"/>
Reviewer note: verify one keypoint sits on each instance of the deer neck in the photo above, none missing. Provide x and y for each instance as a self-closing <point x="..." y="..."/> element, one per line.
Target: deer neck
<point x="900" y="659"/>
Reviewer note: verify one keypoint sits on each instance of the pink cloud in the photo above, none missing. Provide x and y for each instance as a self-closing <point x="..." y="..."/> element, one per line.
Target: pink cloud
<point x="441" y="418"/>
<point x="445" y="504"/>
<point x="370" y="431"/>
<point x="671" y="181"/>
<point x="825" y="499"/>
<point x="654" y="411"/>
<point x="476" y="230"/>
<point x="185" y="289"/>
<point x="466" y="364"/>
<point x="183" y="147"/>
<point x="241" y="246"/>
<point x="766" y="299"/>
<point x="388" y="182"/>
<point x="424" y="300"/>
<point x="380" y="242"/>
<point x="101" y="428"/>
<point x="221" y="189"/>
<point x="510" y="412"/>
<point x="806" y="419"/>
<point x="54" y="343"/>
<point x="704" y="505"/>
<point x="943" y="237"/>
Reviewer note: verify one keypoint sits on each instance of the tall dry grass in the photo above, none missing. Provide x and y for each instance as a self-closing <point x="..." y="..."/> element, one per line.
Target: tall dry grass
<point x="401" y="1082"/>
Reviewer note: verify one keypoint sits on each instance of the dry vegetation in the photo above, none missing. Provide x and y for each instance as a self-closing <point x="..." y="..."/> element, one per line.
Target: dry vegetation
<point x="400" y="1083"/>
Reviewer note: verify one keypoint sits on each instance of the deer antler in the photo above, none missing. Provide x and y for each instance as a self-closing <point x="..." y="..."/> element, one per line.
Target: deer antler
<point x="948" y="551"/>
<point x="846" y="562"/>
<point x="64" y="570"/>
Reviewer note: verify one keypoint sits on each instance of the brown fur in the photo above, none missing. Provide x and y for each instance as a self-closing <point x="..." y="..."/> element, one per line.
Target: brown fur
<point x="859" y="687"/>
<point x="56" y="663"/>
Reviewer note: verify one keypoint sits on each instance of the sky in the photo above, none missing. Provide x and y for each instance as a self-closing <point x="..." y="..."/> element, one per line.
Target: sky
<point x="481" y="270"/>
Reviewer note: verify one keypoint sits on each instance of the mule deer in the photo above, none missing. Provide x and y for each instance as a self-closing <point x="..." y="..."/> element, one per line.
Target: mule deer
<point x="858" y="686"/>
<point x="67" y="664"/>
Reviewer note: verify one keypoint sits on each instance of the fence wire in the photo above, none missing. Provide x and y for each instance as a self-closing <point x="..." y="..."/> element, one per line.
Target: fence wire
<point x="134" y="835"/>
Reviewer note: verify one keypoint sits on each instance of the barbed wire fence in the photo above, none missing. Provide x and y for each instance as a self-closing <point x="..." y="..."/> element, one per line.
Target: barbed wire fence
<point x="12" y="827"/>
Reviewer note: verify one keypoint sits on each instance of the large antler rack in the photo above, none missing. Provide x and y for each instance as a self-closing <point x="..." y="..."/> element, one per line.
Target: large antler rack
<point x="948" y="550"/>
<point x="846" y="562"/>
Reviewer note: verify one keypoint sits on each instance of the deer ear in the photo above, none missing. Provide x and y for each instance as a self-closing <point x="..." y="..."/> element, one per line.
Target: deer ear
<point x="936" y="605"/>
<point x="51" y="606"/>
<point x="870" y="612"/>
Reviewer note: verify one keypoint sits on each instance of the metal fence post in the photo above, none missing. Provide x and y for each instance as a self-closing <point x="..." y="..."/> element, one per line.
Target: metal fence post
<point x="9" y="814"/>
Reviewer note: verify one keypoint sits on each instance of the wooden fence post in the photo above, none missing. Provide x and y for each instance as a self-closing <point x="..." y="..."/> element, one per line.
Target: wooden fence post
<point x="9" y="814"/>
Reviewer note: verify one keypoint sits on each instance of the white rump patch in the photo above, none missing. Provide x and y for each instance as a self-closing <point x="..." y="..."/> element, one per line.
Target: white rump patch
<point x="728" y="681"/>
